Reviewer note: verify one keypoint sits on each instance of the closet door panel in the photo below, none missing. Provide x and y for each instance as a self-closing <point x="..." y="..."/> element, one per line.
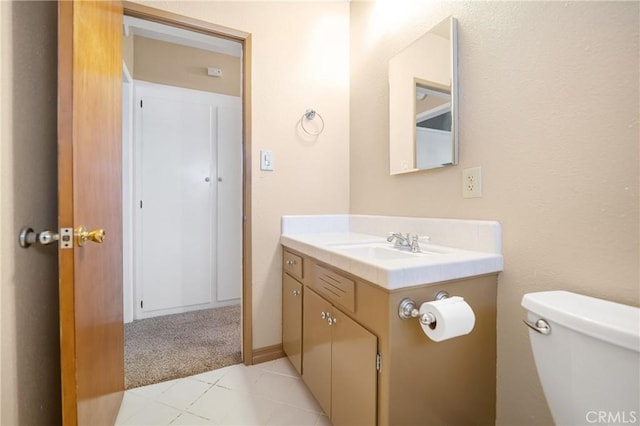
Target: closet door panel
<point x="177" y="200"/>
<point x="229" y="265"/>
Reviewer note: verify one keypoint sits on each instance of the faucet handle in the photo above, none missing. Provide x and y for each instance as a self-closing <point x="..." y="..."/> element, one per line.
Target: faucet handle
<point x="415" y="247"/>
<point x="414" y="244"/>
<point x="393" y="235"/>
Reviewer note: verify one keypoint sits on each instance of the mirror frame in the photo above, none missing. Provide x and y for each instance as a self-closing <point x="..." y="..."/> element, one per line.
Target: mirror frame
<point x="402" y="99"/>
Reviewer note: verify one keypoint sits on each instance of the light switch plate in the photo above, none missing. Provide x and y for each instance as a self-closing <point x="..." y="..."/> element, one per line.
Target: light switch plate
<point x="472" y="182"/>
<point x="266" y="160"/>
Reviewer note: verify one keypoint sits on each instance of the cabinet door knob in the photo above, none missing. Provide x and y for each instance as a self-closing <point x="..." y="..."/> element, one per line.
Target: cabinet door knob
<point x="296" y="292"/>
<point x="331" y="321"/>
<point x="323" y="315"/>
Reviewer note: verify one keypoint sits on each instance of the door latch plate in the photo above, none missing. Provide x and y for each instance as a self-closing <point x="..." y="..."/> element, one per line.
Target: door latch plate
<point x="66" y="238"/>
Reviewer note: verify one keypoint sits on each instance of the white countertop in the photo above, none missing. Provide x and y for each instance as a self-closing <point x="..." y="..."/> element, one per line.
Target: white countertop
<point x="324" y="238"/>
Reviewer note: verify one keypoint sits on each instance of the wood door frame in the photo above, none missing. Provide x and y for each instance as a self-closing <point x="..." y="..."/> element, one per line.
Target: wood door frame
<point x="163" y="17"/>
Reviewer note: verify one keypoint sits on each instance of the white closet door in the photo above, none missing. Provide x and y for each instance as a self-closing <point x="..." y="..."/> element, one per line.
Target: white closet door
<point x="178" y="193"/>
<point x="229" y="266"/>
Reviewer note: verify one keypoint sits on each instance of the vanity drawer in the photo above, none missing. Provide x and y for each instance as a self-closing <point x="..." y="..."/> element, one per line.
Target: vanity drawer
<point x="292" y="264"/>
<point x="335" y="287"/>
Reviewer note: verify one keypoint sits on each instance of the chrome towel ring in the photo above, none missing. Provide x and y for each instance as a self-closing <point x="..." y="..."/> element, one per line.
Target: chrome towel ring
<point x="310" y="115"/>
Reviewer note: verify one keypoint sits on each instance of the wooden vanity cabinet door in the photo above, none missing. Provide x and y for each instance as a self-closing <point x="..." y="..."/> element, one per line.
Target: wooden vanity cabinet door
<point x="354" y="375"/>
<point x="292" y="321"/>
<point x="316" y="357"/>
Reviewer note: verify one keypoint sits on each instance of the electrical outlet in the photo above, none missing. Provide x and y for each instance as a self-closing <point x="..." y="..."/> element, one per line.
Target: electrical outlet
<point x="472" y="182"/>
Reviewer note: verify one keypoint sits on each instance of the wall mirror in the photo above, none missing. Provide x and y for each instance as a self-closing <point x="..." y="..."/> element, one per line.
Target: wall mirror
<point x="423" y="95"/>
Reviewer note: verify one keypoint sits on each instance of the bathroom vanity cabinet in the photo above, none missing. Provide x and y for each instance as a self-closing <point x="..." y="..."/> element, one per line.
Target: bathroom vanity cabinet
<point x="366" y="366"/>
<point x="335" y="356"/>
<point x="292" y="320"/>
<point x="292" y="308"/>
<point x="339" y="362"/>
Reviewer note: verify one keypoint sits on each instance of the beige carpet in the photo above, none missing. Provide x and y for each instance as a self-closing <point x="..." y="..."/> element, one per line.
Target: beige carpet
<point x="174" y="346"/>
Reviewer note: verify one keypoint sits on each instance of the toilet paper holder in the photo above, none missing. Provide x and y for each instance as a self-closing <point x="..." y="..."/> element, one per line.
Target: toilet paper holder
<point x="409" y="309"/>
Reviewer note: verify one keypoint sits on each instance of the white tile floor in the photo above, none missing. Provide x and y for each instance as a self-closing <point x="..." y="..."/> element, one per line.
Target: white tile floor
<point x="270" y="393"/>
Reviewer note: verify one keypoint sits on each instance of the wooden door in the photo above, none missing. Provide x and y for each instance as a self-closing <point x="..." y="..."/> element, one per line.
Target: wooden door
<point x="292" y="321"/>
<point x="354" y="377"/>
<point x="89" y="194"/>
<point x="316" y="358"/>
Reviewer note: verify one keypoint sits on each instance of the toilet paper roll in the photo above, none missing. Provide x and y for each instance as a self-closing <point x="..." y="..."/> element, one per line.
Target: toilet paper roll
<point x="454" y="317"/>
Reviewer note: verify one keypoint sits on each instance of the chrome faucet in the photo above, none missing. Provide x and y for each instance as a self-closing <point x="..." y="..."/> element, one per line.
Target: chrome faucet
<point x="409" y="241"/>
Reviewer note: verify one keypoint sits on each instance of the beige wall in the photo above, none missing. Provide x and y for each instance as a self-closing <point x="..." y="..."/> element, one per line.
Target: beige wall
<point x="549" y="108"/>
<point x="30" y="362"/>
<point x="300" y="60"/>
<point x="182" y="66"/>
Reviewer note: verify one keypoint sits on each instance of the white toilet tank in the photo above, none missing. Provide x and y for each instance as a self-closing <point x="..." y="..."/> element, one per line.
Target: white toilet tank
<point x="589" y="362"/>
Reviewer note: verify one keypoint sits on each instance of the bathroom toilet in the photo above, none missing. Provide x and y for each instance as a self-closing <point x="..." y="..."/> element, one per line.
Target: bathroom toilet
<point x="587" y="353"/>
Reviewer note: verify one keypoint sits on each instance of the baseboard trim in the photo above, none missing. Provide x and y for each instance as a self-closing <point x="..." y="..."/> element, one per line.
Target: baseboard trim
<point x="267" y="353"/>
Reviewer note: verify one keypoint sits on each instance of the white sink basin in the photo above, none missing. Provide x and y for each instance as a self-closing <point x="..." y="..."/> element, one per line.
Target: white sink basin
<point x="376" y="251"/>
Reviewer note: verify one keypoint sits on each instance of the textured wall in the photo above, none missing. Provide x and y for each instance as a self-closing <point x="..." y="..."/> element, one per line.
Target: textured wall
<point x="300" y="60"/>
<point x="30" y="360"/>
<point x="549" y="108"/>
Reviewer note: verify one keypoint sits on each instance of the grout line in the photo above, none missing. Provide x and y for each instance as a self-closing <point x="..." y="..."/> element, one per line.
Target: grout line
<point x="199" y="397"/>
<point x="243" y="392"/>
<point x="191" y="414"/>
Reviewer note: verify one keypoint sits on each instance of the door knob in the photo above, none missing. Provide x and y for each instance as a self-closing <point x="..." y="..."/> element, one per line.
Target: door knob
<point x="28" y="237"/>
<point x="97" y="235"/>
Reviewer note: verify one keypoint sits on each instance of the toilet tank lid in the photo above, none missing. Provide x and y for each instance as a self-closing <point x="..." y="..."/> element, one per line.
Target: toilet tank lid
<point x="602" y="319"/>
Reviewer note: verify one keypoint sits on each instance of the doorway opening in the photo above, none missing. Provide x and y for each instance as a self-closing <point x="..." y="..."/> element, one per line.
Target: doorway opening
<point x="185" y="190"/>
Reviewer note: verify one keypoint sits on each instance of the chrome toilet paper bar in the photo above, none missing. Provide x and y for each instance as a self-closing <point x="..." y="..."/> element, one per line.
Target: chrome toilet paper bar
<point x="409" y="309"/>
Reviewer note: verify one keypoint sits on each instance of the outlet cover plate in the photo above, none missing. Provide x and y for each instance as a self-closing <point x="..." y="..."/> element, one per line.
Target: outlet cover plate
<point x="472" y="182"/>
